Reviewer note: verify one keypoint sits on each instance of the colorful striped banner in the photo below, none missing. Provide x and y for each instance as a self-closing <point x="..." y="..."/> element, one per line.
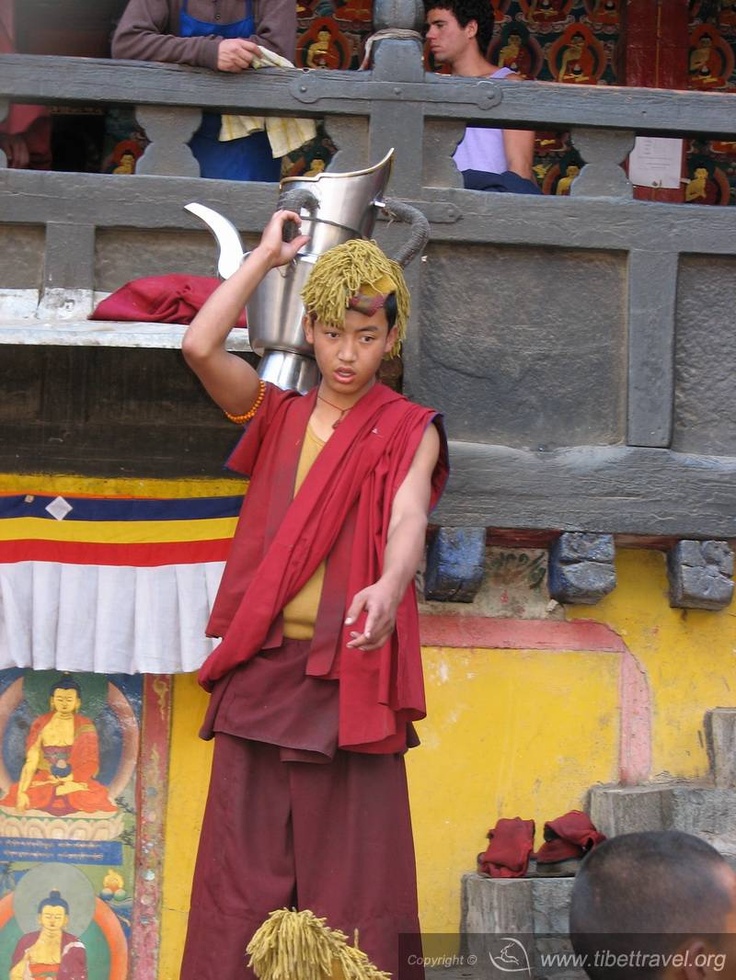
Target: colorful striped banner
<point x="112" y="531"/>
<point x="115" y="581"/>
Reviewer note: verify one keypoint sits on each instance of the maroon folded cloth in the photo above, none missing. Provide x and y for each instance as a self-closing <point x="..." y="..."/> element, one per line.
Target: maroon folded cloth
<point x="173" y="298"/>
<point x="570" y="836"/>
<point x="507" y="855"/>
<point x="556" y="850"/>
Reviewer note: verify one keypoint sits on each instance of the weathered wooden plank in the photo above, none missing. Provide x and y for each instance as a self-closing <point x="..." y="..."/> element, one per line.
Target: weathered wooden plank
<point x="542" y="104"/>
<point x="584" y="222"/>
<point x="139" y="201"/>
<point x="134" y="449"/>
<point x="705" y="356"/>
<point x="648" y="494"/>
<point x="614" y="490"/>
<point x="541" y="361"/>
<point x="651" y="327"/>
<point x="103" y="333"/>
<point x="70" y="251"/>
<point x="158" y="203"/>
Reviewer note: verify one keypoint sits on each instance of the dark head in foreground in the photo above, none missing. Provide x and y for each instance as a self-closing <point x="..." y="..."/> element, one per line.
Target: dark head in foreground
<point x="655" y="905"/>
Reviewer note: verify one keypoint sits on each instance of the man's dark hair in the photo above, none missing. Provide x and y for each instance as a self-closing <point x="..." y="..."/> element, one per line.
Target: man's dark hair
<point x="465" y="11"/>
<point x="649" y="892"/>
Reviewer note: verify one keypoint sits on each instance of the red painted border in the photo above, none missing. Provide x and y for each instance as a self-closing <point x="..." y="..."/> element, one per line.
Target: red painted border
<point x="151" y="805"/>
<point x="102" y="553"/>
<point x="635" y="738"/>
<point x="518" y="634"/>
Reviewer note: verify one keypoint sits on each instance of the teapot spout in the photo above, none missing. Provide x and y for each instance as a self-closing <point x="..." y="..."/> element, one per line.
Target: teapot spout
<point x="227" y="235"/>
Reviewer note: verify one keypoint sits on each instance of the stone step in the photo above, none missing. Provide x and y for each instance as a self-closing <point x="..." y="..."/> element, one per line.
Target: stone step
<point x="523" y="916"/>
<point x="720" y="735"/>
<point x="530" y="916"/>
<point x="697" y="808"/>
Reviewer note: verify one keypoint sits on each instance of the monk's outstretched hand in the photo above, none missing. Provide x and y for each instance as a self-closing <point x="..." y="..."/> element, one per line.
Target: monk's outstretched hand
<point x="379" y="603"/>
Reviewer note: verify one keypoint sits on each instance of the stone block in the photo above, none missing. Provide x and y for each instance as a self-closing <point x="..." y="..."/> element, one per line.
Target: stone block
<point x="628" y="809"/>
<point x="720" y="737"/>
<point x="495" y="905"/>
<point x="551" y="905"/>
<point x="694" y="808"/>
<point x="700" y="575"/>
<point x="455" y="564"/>
<point x="581" y="568"/>
<point x="702" y="809"/>
<point x="528" y="917"/>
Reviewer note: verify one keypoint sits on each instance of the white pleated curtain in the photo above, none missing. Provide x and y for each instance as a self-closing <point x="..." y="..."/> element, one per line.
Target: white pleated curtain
<point x="106" y="619"/>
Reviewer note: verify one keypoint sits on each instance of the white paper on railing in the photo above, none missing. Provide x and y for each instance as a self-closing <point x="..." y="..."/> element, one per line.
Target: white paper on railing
<point x="656" y="162"/>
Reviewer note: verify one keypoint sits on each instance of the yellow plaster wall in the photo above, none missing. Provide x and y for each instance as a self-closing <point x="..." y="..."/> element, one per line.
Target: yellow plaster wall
<point x="689" y="656"/>
<point x="509" y="732"/>
<point x="189" y="765"/>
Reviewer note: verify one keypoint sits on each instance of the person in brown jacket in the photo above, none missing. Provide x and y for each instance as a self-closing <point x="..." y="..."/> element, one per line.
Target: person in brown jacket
<point x="224" y="35"/>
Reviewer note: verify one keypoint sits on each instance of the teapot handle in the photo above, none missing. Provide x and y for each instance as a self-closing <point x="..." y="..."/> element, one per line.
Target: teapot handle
<point x="418" y="232"/>
<point x="294" y="200"/>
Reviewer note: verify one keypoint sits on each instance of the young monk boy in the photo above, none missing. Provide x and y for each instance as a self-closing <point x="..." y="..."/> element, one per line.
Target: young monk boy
<point x="318" y="676"/>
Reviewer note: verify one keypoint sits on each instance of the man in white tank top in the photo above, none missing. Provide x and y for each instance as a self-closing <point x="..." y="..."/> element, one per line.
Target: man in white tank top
<point x="459" y="33"/>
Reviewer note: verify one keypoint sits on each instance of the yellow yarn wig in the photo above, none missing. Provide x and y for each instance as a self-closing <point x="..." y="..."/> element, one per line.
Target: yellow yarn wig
<point x="356" y="266"/>
<point x="293" y="945"/>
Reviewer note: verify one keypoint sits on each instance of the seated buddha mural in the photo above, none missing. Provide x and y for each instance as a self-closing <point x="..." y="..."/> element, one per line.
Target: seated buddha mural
<point x="710" y="61"/>
<point x="577" y="57"/>
<point x="61" y="760"/>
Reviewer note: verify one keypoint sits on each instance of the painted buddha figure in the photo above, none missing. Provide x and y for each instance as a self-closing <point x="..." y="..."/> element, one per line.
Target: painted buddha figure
<point x="61" y="761"/>
<point x="320" y="53"/>
<point x="702" y="188"/>
<point x="565" y="182"/>
<point x="545" y="10"/>
<point x="515" y="56"/>
<point x="606" y="12"/>
<point x="51" y="952"/>
<point x="706" y="64"/>
<point x="577" y="63"/>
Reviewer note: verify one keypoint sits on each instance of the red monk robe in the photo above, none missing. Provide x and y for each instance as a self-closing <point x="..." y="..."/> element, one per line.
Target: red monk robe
<point x="322" y="829"/>
<point x="73" y="965"/>
<point x="341" y="513"/>
<point x="83" y="761"/>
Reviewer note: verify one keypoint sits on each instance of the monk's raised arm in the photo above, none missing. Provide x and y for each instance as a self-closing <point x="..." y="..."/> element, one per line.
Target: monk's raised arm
<point x="230" y="381"/>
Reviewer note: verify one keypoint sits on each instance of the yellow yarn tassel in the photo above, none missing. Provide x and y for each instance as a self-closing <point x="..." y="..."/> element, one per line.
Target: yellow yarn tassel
<point x="293" y="944"/>
<point x="339" y="274"/>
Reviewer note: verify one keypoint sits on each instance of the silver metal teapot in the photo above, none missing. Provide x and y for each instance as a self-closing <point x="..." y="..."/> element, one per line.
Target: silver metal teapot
<point x="334" y="207"/>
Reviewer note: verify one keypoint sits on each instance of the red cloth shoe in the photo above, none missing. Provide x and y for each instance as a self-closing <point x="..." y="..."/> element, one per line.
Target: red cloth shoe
<point x="567" y="840"/>
<point x="511" y="844"/>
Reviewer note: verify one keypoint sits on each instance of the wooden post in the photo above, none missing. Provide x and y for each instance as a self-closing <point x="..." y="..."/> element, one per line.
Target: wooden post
<point x="655" y="34"/>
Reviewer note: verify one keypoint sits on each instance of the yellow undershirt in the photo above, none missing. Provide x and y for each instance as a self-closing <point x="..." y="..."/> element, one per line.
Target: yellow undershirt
<point x="301" y="613"/>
